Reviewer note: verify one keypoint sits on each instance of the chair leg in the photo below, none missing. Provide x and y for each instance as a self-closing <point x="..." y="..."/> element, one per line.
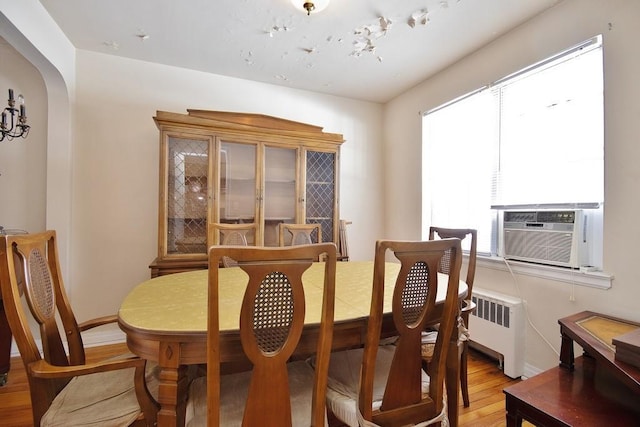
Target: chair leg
<point x="333" y="421"/>
<point x="464" y="386"/>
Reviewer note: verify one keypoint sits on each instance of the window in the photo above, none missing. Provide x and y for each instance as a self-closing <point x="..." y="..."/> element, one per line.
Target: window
<point x="532" y="140"/>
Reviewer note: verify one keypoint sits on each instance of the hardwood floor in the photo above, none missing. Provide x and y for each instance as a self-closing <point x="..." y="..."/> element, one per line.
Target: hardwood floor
<point x="486" y="382"/>
<point x="486" y="400"/>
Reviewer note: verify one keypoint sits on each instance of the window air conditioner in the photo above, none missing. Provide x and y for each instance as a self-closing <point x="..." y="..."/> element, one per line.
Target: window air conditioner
<point x="546" y="237"/>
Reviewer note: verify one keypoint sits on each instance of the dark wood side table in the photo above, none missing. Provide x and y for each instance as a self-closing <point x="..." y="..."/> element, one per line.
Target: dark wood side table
<point x="5" y="346"/>
<point x="591" y="390"/>
<point x="593" y="332"/>
<point x="559" y="397"/>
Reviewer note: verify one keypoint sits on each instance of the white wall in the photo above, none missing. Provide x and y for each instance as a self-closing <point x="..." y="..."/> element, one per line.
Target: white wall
<point x="116" y="161"/>
<point x="564" y="25"/>
<point x="102" y="151"/>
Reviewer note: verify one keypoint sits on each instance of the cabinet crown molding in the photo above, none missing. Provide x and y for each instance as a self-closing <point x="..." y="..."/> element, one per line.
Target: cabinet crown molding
<point x="245" y="122"/>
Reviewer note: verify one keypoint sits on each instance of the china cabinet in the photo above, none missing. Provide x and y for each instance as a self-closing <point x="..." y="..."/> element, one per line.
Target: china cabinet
<point x="224" y="167"/>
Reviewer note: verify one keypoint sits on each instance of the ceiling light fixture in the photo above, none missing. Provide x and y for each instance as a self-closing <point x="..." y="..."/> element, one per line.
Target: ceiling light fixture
<point x="310" y="6"/>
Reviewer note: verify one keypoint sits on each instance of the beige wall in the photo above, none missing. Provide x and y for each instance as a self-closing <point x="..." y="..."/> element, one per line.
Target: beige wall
<point x="29" y="29"/>
<point x="23" y="162"/>
<point x="566" y="24"/>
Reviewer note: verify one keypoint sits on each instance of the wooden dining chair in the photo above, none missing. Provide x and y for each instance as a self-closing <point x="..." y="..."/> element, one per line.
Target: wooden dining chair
<point x="231" y="235"/>
<point x="467" y="305"/>
<point x="299" y="234"/>
<point x="343" y="245"/>
<point x="385" y="385"/>
<point x="275" y="392"/>
<point x="65" y="390"/>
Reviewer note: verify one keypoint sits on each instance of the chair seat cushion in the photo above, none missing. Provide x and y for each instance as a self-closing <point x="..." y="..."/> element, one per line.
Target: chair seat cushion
<point x="428" y="344"/>
<point x="344" y="381"/>
<point x="100" y="399"/>
<point x="234" y="389"/>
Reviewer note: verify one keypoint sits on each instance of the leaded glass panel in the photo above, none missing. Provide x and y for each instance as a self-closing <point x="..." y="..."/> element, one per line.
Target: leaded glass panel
<point x="320" y="191"/>
<point x="188" y="161"/>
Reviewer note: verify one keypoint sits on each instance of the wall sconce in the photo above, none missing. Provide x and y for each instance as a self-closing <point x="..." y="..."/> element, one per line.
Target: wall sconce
<point x="310" y="6"/>
<point x="18" y="126"/>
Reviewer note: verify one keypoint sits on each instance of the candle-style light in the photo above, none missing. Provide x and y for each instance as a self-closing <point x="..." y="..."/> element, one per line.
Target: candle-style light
<point x="14" y="120"/>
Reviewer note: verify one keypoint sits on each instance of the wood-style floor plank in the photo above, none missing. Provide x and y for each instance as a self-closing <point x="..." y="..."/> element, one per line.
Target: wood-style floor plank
<point x="486" y="382"/>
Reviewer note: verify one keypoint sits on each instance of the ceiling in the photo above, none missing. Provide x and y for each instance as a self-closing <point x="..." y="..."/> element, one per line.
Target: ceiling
<point x="370" y="50"/>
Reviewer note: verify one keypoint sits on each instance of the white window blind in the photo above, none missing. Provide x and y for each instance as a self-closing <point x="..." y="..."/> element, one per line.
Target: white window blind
<point x="551" y="133"/>
<point x="458" y="166"/>
<point x="534" y="138"/>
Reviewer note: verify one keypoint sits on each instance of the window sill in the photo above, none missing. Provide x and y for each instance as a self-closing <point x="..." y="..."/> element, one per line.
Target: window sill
<point x="593" y="279"/>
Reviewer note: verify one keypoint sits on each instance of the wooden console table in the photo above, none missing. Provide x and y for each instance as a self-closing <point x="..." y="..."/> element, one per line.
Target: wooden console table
<point x="592" y="390"/>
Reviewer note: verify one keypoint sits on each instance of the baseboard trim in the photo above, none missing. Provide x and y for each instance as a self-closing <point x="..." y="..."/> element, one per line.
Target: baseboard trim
<point x="90" y="339"/>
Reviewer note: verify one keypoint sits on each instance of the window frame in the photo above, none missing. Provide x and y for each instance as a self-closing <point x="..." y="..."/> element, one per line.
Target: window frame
<point x="582" y="276"/>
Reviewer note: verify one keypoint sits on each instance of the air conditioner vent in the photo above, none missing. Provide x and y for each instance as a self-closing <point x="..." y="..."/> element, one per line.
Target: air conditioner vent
<point x="545" y="237"/>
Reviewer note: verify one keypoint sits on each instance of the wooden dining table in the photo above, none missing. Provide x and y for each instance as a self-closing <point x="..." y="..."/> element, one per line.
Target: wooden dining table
<point x="165" y="321"/>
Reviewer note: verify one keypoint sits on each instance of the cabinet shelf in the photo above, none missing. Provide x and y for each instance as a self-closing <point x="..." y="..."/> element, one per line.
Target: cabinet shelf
<point x="232" y="179"/>
<point x="288" y="182"/>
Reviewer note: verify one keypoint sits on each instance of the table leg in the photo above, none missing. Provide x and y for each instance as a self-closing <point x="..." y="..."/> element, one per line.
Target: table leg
<point x="513" y="419"/>
<point x="566" y="352"/>
<point x="172" y="390"/>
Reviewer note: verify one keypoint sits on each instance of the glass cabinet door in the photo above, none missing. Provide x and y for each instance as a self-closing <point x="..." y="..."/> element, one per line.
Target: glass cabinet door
<point x="238" y="168"/>
<point x="187" y="195"/>
<point x="238" y="189"/>
<point x="321" y="191"/>
<point x="279" y="198"/>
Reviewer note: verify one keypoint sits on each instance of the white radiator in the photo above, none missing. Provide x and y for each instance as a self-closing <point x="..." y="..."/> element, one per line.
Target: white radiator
<point x="498" y="324"/>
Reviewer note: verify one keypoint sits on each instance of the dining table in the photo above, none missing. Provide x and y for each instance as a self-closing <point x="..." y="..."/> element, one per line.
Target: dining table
<point x="165" y="321"/>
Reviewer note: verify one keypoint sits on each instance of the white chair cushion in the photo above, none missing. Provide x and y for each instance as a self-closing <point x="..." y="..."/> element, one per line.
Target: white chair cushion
<point x="234" y="389"/>
<point x="102" y="399"/>
<point x="344" y="382"/>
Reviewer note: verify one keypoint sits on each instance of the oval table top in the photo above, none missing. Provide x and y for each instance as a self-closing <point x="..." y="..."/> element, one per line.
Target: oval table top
<point x="177" y="303"/>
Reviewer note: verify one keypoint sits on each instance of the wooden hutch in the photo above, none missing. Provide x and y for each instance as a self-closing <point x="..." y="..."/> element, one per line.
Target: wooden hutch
<point x="224" y="167"/>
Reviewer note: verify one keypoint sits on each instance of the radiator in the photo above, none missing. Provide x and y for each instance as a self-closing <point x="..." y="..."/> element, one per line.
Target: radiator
<point x="497" y="324"/>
